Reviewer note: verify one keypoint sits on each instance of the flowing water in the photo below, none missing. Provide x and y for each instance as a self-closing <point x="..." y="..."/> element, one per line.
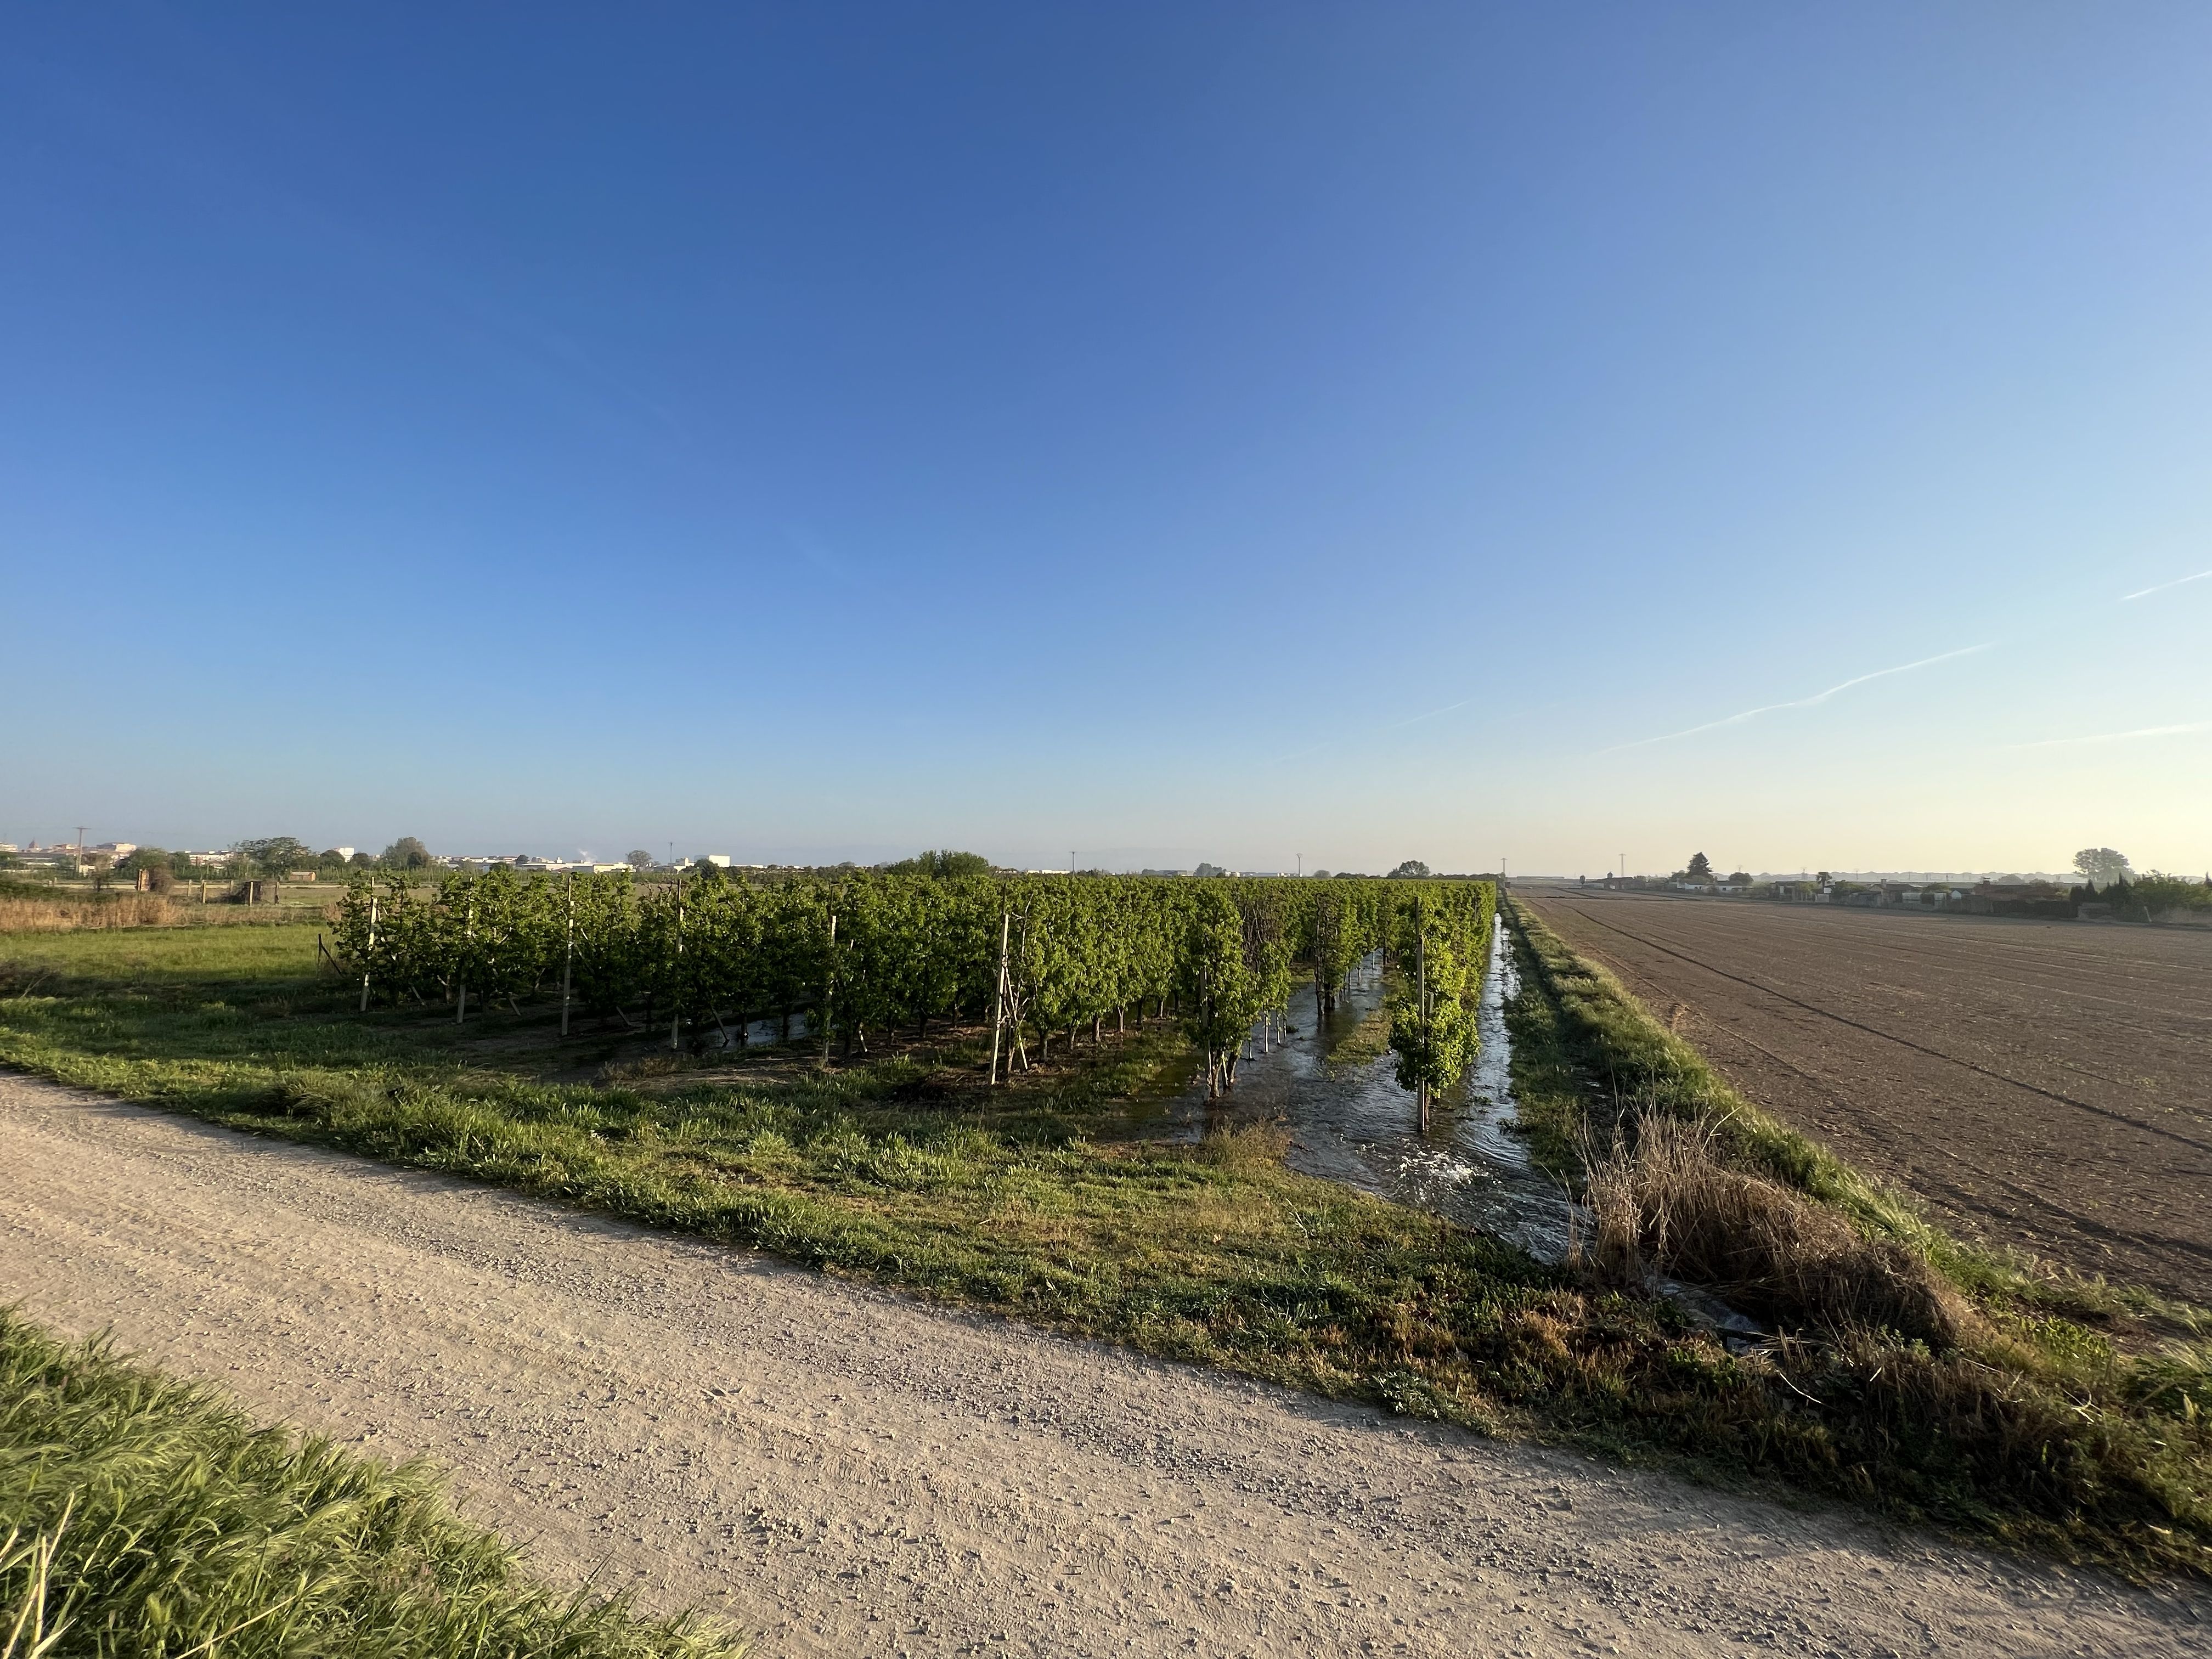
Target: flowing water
<point x="1353" y="1123"/>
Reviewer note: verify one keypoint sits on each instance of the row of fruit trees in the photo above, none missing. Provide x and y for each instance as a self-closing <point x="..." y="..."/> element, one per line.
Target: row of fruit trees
<point x="863" y="953"/>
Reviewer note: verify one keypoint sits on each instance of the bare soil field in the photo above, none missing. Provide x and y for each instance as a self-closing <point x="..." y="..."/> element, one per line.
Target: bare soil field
<point x="2045" y="1085"/>
<point x="849" y="1473"/>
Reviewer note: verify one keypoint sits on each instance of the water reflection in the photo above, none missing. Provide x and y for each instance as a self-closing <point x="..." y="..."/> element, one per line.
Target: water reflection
<point x="1353" y="1123"/>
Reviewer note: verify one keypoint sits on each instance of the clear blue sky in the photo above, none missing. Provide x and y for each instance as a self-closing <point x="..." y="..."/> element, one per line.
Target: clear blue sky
<point x="1165" y="432"/>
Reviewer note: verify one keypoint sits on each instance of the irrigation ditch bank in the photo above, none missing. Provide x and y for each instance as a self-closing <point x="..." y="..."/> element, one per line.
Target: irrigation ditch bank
<point x="1039" y="1202"/>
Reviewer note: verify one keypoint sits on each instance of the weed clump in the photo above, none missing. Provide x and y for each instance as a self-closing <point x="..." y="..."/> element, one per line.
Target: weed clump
<point x="1661" y="1202"/>
<point x="1246" y="1147"/>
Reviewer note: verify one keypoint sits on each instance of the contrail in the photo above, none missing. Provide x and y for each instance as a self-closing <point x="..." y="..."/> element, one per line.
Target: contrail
<point x="2120" y="737"/>
<point x="2144" y="593"/>
<point x="1801" y="703"/>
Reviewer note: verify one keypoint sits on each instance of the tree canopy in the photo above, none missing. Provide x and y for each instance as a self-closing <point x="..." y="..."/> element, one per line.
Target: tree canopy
<point x="944" y="865"/>
<point x="2100" y="866"/>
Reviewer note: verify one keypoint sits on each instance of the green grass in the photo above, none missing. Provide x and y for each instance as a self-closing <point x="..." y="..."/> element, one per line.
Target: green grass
<point x="1038" y="1202"/>
<point x="146" y="1517"/>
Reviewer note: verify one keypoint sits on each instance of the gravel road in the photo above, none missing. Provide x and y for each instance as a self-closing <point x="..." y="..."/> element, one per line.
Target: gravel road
<point x="847" y="1472"/>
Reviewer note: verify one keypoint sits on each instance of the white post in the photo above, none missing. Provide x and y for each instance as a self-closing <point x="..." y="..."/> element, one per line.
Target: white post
<point x="998" y="997"/>
<point x="567" y="957"/>
<point x="829" y="987"/>
<point x="468" y="935"/>
<point x="371" y="953"/>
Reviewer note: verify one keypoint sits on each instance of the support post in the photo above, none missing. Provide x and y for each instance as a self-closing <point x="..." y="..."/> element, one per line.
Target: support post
<point x="1421" y="995"/>
<point x="468" y="936"/>
<point x="567" y="957"/>
<point x="998" y="997"/>
<point x="371" y="957"/>
<point x="828" y="989"/>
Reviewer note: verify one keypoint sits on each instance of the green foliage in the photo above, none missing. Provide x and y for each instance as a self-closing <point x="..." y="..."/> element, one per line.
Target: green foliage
<point x="274" y="855"/>
<point x="942" y="865"/>
<point x="1443" y="946"/>
<point x="716" y="950"/>
<point x="147" y="1517"/>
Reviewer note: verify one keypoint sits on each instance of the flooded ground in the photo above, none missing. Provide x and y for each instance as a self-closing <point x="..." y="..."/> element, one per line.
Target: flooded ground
<point x="1353" y="1123"/>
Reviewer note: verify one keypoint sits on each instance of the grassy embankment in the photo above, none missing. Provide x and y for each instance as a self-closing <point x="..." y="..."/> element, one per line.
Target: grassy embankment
<point x="1037" y="1202"/>
<point x="144" y="1515"/>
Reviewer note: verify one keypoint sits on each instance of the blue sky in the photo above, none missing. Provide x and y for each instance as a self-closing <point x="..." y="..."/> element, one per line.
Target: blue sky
<point x="1239" y="432"/>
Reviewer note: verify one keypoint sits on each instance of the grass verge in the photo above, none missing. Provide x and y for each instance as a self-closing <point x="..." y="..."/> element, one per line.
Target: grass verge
<point x="1037" y="1202"/>
<point x="146" y="1516"/>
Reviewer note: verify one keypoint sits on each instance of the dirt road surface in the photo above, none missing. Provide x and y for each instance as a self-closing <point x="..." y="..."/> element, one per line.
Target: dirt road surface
<point x="2046" y="1085"/>
<point x="851" y="1473"/>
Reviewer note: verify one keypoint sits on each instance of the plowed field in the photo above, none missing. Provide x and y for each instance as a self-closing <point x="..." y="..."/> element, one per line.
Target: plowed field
<point x="2042" y="1084"/>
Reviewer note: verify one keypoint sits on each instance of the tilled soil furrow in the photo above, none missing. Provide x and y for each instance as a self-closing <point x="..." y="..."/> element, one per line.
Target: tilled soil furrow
<point x="2021" y="1115"/>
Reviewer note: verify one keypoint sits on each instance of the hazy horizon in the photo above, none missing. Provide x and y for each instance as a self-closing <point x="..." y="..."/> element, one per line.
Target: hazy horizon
<point x="1220" y="431"/>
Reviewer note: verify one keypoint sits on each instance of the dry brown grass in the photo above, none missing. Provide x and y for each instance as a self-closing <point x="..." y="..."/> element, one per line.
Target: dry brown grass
<point x="1662" y="1202"/>
<point x="72" y="916"/>
<point x="41" y="915"/>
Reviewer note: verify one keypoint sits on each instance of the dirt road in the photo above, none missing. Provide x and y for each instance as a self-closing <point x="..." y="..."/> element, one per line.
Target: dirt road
<point x="854" y="1474"/>
<point x="2042" y="1084"/>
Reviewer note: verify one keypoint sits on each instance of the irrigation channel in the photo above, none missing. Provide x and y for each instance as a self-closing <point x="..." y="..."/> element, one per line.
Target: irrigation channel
<point x="1354" y="1124"/>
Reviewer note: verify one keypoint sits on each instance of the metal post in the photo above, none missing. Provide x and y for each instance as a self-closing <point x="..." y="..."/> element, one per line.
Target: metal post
<point x="676" y="1013"/>
<point x="371" y="957"/>
<point x="567" y="957"/>
<point x="999" y="998"/>
<point x="467" y="936"/>
<point x="1421" y="996"/>
<point x="829" y="987"/>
